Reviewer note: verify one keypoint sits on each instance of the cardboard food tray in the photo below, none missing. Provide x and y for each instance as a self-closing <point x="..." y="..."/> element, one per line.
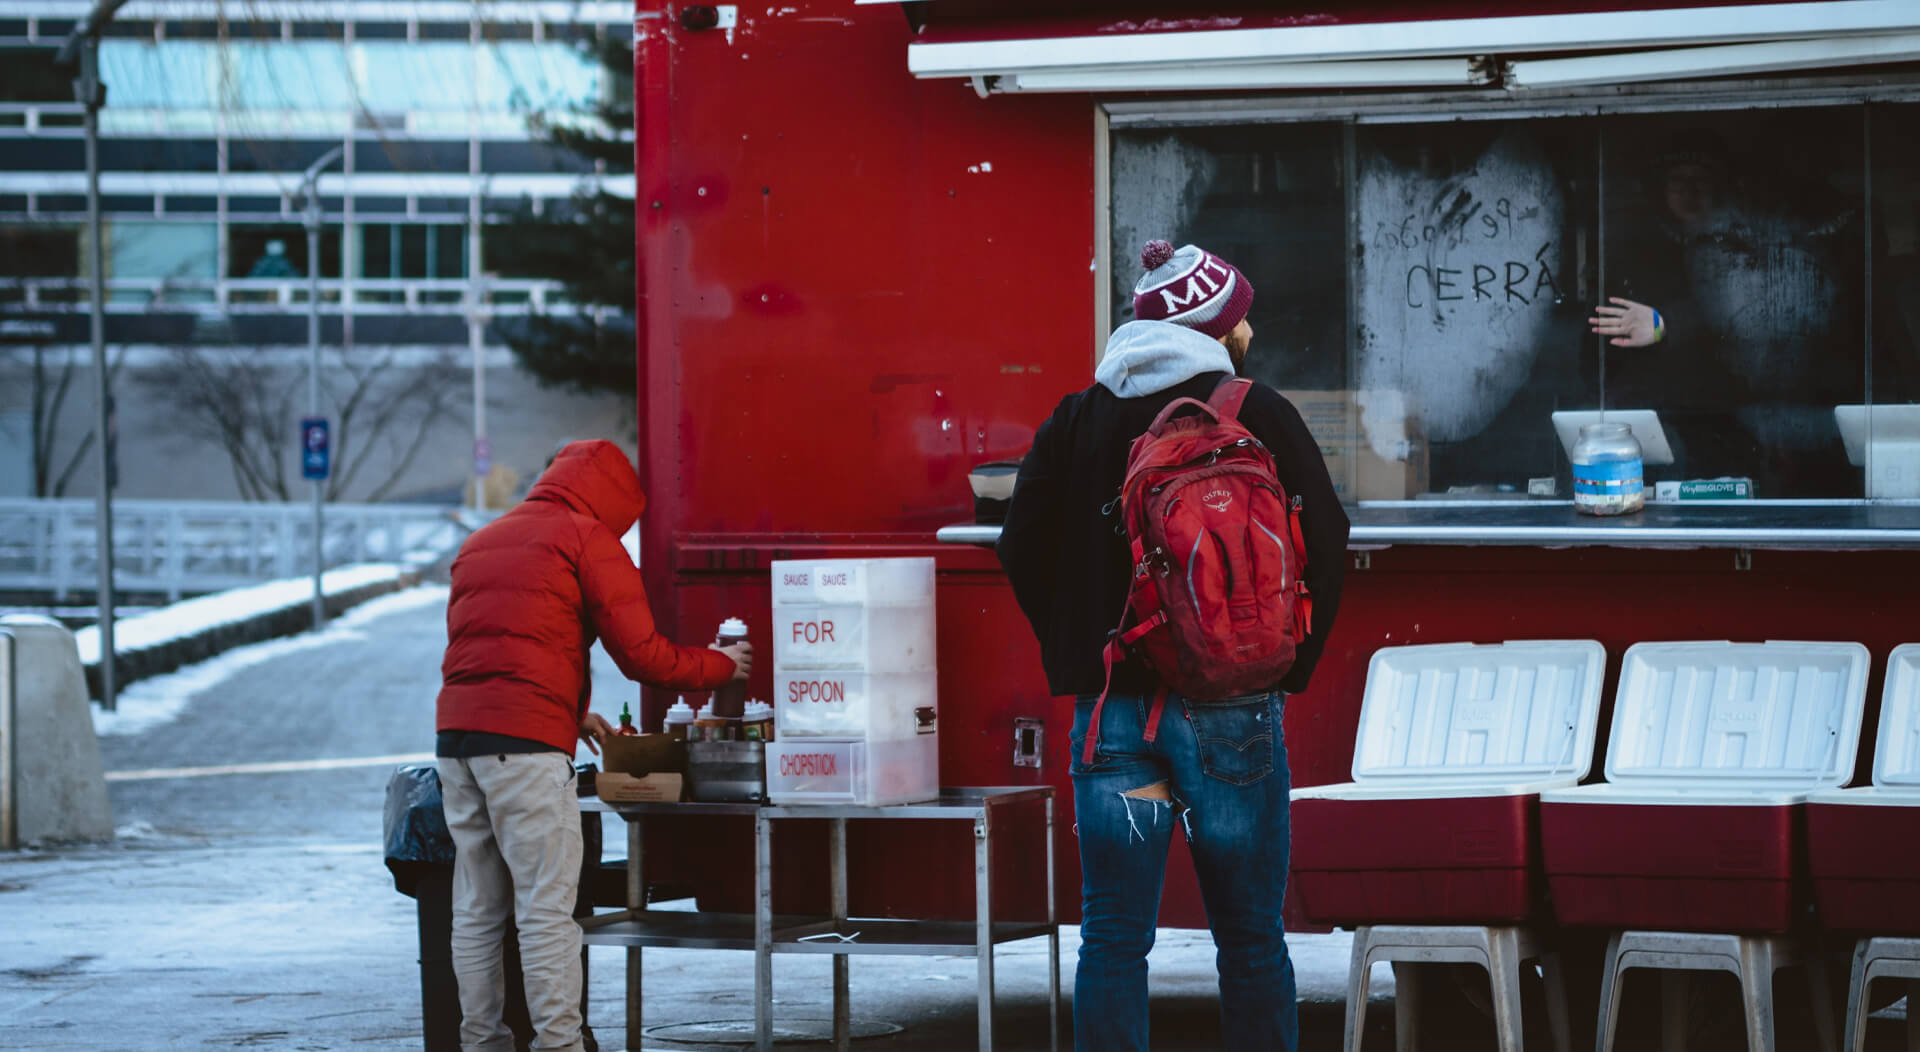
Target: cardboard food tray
<point x="617" y="788"/>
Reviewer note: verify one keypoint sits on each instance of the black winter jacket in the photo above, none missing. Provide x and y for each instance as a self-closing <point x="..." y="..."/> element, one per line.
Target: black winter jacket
<point x="1070" y="569"/>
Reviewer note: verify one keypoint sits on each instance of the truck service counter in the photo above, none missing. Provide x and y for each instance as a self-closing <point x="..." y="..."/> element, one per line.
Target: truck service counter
<point x="1806" y="525"/>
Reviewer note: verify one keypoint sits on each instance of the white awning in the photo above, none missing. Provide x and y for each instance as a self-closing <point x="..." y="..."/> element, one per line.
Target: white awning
<point x="1347" y="51"/>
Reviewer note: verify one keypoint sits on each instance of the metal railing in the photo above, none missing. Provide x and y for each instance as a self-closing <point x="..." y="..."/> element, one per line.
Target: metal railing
<point x="363" y="296"/>
<point x="191" y="547"/>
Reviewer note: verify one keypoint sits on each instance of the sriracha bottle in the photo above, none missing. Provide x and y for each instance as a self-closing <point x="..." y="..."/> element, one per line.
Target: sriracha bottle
<point x="626" y="721"/>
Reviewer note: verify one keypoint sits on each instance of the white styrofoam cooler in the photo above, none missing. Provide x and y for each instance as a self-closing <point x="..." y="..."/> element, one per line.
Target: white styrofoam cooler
<point x="1450" y="715"/>
<point x="1863" y="844"/>
<point x="1714" y="747"/>
<point x="1439" y="824"/>
<point x="1748" y="721"/>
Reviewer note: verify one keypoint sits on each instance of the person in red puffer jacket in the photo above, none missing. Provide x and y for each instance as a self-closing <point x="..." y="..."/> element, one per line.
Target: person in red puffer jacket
<point x="531" y="592"/>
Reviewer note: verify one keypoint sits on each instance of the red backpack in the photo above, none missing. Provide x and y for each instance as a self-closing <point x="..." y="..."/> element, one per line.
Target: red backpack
<point x="1218" y="603"/>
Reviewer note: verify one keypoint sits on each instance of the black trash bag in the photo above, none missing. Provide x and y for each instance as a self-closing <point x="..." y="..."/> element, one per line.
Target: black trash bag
<point x="417" y="839"/>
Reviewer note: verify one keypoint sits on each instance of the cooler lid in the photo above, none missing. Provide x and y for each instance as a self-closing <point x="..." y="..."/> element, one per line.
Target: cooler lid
<point x="1716" y="715"/>
<point x="1454" y="713"/>
<point x="1896" y="755"/>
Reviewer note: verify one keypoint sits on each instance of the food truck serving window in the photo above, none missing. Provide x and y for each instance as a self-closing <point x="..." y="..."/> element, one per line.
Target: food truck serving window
<point x="1424" y="289"/>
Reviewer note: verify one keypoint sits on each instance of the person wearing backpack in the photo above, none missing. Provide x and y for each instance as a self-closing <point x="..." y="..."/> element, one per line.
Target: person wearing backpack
<point x="1178" y="546"/>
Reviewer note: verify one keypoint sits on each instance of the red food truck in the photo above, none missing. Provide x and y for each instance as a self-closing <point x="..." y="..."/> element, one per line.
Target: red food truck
<point x="879" y="240"/>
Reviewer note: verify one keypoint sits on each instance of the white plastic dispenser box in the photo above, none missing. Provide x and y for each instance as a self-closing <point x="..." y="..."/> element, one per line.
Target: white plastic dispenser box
<point x="856" y="701"/>
<point x="851" y="771"/>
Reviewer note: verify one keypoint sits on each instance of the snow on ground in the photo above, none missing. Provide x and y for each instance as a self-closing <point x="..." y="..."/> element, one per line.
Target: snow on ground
<point x="151" y="702"/>
<point x="193" y="616"/>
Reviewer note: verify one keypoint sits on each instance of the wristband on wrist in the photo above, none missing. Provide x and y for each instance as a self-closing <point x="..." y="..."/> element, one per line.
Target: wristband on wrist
<point x="1659" y="326"/>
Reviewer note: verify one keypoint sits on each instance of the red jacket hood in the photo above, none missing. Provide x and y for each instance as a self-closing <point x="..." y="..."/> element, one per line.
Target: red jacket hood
<point x="593" y="478"/>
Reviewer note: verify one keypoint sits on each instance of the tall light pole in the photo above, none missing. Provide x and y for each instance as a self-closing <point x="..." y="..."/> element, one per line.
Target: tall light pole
<point x="83" y="44"/>
<point x="309" y="188"/>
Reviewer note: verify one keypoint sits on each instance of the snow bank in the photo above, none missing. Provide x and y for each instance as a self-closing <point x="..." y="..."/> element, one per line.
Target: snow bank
<point x="152" y="702"/>
<point x="194" y="630"/>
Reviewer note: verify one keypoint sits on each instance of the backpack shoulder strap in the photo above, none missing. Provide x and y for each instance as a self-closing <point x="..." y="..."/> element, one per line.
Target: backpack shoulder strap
<point x="1229" y="397"/>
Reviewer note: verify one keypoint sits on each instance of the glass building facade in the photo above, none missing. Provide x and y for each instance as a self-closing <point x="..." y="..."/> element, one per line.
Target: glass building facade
<point x="215" y="110"/>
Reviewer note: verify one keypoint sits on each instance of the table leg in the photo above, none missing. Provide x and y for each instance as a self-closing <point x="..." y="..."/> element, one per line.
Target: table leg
<point x="1053" y="945"/>
<point x="983" y="919"/>
<point x="762" y="934"/>
<point x="842" y="1024"/>
<point x="636" y="904"/>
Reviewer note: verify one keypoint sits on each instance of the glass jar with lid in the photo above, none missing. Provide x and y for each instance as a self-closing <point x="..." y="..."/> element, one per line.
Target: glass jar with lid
<point x="1608" y="475"/>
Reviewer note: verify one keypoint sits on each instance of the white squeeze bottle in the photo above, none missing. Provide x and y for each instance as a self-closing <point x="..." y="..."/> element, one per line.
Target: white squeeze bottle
<point x="679" y="719"/>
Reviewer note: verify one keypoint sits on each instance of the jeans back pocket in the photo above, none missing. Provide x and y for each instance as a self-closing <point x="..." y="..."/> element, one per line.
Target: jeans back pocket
<point x="1236" y="738"/>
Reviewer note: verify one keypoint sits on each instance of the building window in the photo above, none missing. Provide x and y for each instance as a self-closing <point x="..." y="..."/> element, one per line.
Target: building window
<point x="276" y="155"/>
<point x="380" y="31"/>
<point x="39" y="250"/>
<point x="413" y="250"/>
<point x="410" y="156"/>
<point x="1428" y="310"/>
<point x="278" y="251"/>
<point x="164" y="253"/>
<point x="192" y="29"/>
<point x="159" y="155"/>
<point x="28" y="74"/>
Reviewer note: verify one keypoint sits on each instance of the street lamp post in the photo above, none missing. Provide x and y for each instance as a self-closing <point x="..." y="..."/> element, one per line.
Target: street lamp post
<point x="309" y="187"/>
<point x="83" y="44"/>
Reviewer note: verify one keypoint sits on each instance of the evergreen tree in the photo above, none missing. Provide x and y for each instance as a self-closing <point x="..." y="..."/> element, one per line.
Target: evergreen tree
<point x="586" y="244"/>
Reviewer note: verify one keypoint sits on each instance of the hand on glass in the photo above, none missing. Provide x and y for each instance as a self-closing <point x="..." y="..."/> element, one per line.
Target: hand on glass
<point x="742" y="655"/>
<point x="594" y="729"/>
<point x="1630" y="324"/>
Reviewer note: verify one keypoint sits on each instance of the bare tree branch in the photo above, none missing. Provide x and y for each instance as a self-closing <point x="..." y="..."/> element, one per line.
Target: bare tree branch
<point x="73" y="464"/>
<point x="245" y="402"/>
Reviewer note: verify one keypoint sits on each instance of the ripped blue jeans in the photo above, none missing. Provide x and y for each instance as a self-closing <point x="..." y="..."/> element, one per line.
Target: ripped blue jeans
<point x="1224" y="765"/>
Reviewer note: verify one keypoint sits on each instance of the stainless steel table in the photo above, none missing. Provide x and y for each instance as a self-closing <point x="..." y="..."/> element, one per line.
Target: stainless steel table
<point x="637" y="928"/>
<point x="838" y="934"/>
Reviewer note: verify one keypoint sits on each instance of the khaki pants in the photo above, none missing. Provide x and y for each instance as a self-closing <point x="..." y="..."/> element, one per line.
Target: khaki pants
<point x="516" y="834"/>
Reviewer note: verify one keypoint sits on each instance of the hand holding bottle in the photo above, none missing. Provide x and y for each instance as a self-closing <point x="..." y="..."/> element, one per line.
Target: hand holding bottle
<point x="742" y="655"/>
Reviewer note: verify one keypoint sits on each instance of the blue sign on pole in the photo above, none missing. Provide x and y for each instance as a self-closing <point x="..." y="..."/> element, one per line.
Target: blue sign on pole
<point x="315" y="455"/>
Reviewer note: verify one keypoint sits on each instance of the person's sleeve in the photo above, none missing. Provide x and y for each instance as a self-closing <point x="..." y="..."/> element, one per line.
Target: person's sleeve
<point x="1029" y="540"/>
<point x="617" y="610"/>
<point x="1323" y="522"/>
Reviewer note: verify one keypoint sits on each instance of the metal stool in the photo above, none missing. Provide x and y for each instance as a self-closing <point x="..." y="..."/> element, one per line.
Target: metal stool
<point x="1883" y="959"/>
<point x="1751" y="958"/>
<point x="1501" y="951"/>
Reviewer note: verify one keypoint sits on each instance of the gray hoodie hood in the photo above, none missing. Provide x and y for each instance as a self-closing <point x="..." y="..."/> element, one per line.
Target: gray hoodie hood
<point x="1147" y="357"/>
